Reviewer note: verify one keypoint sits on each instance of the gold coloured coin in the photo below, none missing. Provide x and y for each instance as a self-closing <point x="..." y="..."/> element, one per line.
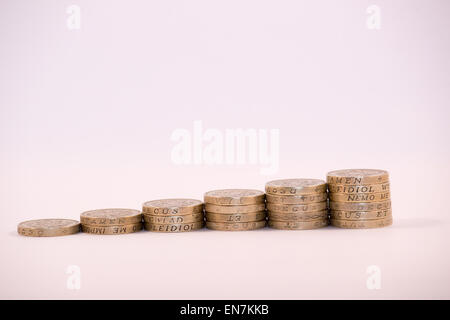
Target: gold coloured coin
<point x="175" y="207"/>
<point x="227" y="197"/>
<point x="360" y="197"/>
<point x="236" y="226"/>
<point x="303" y="199"/>
<point x="369" y="188"/>
<point x="361" y="215"/>
<point x="48" y="227"/>
<point x="360" y="206"/>
<point x="303" y="216"/>
<point x="110" y="217"/>
<point x="298" y="225"/>
<point x="233" y="209"/>
<point x="188" y="218"/>
<point x="366" y="224"/>
<point x="177" y="227"/>
<point x="297" y="208"/>
<point x="295" y="186"/>
<point x="112" y="230"/>
<point x="357" y="176"/>
<point x="240" y="217"/>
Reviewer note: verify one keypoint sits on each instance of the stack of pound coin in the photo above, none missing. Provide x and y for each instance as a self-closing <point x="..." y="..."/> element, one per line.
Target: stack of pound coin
<point x="297" y="204"/>
<point x="111" y="221"/>
<point x="359" y="198"/>
<point x="48" y="227"/>
<point x="173" y="215"/>
<point x="235" y="209"/>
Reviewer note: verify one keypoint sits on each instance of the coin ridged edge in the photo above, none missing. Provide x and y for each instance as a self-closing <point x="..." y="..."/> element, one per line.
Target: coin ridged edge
<point x="173" y="219"/>
<point x="179" y="227"/>
<point x="241" y="217"/>
<point x="234" y="200"/>
<point x="304" y="216"/>
<point x="301" y="199"/>
<point x="367" y="224"/>
<point x="234" y="209"/>
<point x="27" y="231"/>
<point x="360" y="197"/>
<point x="276" y="187"/>
<point x="357" y="179"/>
<point x="298" y="225"/>
<point x="112" y="230"/>
<point x="228" y="226"/>
<point x="360" y="215"/>
<point x="134" y="216"/>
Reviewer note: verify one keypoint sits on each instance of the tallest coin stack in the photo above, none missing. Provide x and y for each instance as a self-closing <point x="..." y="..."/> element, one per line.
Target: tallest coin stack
<point x="359" y="198"/>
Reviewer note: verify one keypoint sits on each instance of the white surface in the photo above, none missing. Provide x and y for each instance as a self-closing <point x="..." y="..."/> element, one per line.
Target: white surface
<point x="266" y="264"/>
<point x="86" y="118"/>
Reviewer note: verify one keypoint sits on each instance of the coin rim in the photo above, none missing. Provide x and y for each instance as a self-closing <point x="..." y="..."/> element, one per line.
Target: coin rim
<point x="289" y="199"/>
<point x="249" y="215"/>
<point x="352" y="205"/>
<point x="359" y="186"/>
<point x="199" y="217"/>
<point x="234" y="200"/>
<point x="361" y="212"/>
<point x="295" y="217"/>
<point x="389" y="222"/>
<point x="181" y="210"/>
<point x="365" y="179"/>
<point x="129" y="219"/>
<point x="340" y="195"/>
<point x="229" y="208"/>
<point x="258" y="226"/>
<point x="198" y="225"/>
<point x="299" y="190"/>
<point x="70" y="229"/>
<point x="270" y="204"/>
<point x="306" y="224"/>
<point x="107" y="232"/>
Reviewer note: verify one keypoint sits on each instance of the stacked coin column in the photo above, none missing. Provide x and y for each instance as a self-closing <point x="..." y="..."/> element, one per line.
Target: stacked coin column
<point x="173" y="215"/>
<point x="235" y="209"/>
<point x="111" y="221"/>
<point x="297" y="204"/>
<point x="359" y="198"/>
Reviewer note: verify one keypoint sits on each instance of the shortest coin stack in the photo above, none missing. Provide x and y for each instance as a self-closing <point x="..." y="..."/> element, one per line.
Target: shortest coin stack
<point x="111" y="221"/>
<point x="297" y="204"/>
<point x="173" y="215"/>
<point x="48" y="227"/>
<point x="235" y="209"/>
<point x="359" y="198"/>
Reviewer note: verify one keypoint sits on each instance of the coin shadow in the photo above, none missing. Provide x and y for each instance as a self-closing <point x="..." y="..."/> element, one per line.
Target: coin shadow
<point x="417" y="223"/>
<point x="17" y="235"/>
